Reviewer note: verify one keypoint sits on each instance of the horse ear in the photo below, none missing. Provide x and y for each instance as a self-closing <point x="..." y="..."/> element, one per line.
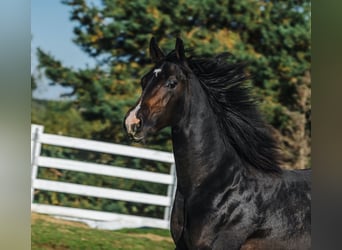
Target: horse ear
<point x="155" y="52"/>
<point x="180" y="49"/>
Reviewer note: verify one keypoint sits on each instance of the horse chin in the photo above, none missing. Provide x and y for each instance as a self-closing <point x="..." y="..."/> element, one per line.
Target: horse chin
<point x="143" y="135"/>
<point x="137" y="137"/>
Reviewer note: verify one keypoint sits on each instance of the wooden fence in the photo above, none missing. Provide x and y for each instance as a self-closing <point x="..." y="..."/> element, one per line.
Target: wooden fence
<point x="99" y="219"/>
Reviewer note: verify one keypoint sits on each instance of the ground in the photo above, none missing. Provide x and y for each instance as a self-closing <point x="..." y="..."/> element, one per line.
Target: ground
<point x="50" y="233"/>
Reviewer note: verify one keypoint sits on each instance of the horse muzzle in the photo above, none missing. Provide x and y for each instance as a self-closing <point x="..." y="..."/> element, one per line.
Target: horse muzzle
<point x="133" y="126"/>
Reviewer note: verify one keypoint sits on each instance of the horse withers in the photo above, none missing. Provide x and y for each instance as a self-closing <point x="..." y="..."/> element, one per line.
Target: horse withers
<point x="231" y="192"/>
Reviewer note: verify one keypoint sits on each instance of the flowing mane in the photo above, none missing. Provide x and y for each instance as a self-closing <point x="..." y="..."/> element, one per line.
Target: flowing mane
<point x="235" y="109"/>
<point x="227" y="162"/>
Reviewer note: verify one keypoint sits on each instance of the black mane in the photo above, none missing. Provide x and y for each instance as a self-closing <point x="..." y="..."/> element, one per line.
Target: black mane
<point x="235" y="109"/>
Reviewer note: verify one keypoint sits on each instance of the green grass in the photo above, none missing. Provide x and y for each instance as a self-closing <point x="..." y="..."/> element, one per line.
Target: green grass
<point x="48" y="233"/>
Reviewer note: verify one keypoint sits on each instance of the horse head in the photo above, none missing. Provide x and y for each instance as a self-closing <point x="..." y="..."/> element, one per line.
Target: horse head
<point x="163" y="93"/>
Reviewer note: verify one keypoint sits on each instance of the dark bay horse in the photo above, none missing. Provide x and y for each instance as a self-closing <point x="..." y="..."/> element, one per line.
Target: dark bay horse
<point x="231" y="193"/>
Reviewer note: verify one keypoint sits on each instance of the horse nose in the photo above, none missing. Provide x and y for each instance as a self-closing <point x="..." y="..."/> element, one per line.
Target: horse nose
<point x="133" y="124"/>
<point x="135" y="127"/>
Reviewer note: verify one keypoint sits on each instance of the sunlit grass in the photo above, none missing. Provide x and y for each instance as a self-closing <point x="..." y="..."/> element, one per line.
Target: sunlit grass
<point x="50" y="233"/>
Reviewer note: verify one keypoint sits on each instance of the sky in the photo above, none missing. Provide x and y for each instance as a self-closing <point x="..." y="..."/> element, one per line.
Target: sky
<point x="51" y="30"/>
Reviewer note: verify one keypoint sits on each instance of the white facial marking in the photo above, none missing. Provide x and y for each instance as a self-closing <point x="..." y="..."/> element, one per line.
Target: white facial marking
<point x="132" y="117"/>
<point x="156" y="72"/>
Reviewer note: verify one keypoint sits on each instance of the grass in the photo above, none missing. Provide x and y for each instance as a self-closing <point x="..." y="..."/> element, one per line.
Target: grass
<point x="48" y="233"/>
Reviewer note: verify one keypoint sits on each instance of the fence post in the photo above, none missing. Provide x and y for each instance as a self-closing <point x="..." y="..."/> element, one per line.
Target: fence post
<point x="36" y="132"/>
<point x="171" y="192"/>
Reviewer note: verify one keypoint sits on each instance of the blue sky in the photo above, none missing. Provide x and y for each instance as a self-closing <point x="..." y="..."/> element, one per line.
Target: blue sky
<point x="51" y="30"/>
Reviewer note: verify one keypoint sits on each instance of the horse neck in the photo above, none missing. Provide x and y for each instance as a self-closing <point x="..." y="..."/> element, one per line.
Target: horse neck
<point x="201" y="155"/>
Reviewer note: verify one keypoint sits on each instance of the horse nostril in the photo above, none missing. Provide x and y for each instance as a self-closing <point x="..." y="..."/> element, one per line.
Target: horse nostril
<point x="136" y="126"/>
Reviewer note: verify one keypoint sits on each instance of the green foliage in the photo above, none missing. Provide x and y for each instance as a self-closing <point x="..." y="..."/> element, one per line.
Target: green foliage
<point x="273" y="37"/>
<point x="62" y="118"/>
<point x="33" y="83"/>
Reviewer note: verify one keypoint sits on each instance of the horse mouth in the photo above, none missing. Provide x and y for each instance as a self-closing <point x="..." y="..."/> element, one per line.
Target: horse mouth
<point x="140" y="134"/>
<point x="137" y="138"/>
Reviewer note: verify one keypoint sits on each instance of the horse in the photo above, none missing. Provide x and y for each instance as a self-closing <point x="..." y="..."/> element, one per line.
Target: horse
<point x="231" y="191"/>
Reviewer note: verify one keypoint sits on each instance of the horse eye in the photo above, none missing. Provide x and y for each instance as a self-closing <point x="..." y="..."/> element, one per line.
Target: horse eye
<point x="171" y="83"/>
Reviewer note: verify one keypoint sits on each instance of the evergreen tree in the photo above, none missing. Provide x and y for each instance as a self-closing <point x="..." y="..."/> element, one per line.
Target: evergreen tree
<point x="273" y="37"/>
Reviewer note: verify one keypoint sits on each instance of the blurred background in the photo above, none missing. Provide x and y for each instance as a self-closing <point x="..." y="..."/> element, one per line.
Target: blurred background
<point x="87" y="58"/>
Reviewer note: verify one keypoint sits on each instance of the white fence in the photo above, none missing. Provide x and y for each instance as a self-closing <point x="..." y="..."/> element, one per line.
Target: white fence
<point x="98" y="219"/>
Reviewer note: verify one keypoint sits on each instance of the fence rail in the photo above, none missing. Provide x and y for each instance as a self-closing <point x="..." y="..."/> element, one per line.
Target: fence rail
<point x="98" y="218"/>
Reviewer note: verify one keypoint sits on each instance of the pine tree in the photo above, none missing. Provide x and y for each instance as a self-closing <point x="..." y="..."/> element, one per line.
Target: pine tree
<point x="273" y="37"/>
